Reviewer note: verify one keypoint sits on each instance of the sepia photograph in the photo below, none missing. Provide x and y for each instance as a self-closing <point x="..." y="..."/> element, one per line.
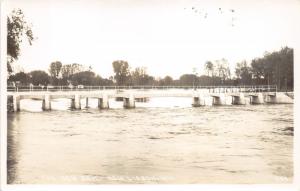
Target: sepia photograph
<point x="139" y="92"/>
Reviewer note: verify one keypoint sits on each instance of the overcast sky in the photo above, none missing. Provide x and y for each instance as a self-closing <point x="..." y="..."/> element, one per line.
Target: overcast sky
<point x="168" y="37"/>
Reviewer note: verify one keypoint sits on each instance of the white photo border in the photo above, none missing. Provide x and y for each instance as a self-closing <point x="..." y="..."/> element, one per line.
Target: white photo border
<point x="192" y="187"/>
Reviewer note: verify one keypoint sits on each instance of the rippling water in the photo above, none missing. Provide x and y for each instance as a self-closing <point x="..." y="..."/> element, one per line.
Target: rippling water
<point x="157" y="142"/>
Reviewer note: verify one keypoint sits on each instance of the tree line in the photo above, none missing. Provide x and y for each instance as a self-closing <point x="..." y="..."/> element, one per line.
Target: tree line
<point x="273" y="68"/>
<point x="60" y="75"/>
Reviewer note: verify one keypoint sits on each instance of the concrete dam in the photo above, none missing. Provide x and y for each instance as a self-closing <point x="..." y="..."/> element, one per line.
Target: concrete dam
<point x="199" y="97"/>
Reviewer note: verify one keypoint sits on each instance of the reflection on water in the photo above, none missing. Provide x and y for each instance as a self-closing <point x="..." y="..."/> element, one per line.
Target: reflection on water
<point x="158" y="142"/>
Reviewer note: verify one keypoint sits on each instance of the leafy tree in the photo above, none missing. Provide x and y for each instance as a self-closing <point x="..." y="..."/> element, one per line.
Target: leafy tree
<point x="66" y="71"/>
<point x="54" y="70"/>
<point x="137" y="75"/>
<point x="280" y="65"/>
<point x="121" y="69"/>
<point x="17" y="30"/>
<point x="21" y="77"/>
<point x="140" y="77"/>
<point x="70" y="69"/>
<point x="209" y="67"/>
<point x="243" y="73"/>
<point x="275" y="68"/>
<point x="39" y="77"/>
<point x="223" y="70"/>
<point x="287" y="68"/>
<point x="83" y="78"/>
<point x="98" y="81"/>
<point x="258" y="70"/>
<point x="205" y="80"/>
<point x="187" y="79"/>
<point x="103" y="82"/>
<point x="167" y="81"/>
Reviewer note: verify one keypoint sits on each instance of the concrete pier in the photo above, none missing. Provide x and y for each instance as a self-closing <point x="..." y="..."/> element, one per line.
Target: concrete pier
<point x="75" y="102"/>
<point x="238" y="99"/>
<point x="279" y="98"/>
<point x="257" y="98"/>
<point x="129" y="102"/>
<point x="198" y="100"/>
<point x="47" y="103"/>
<point x="103" y="102"/>
<point x="219" y="99"/>
<point x="86" y="102"/>
<point x="271" y="98"/>
<point x="199" y="97"/>
<point x="16" y="103"/>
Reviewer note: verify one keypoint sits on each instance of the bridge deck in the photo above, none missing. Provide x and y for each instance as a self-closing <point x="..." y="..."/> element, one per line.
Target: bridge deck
<point x="125" y="94"/>
<point x="244" y="88"/>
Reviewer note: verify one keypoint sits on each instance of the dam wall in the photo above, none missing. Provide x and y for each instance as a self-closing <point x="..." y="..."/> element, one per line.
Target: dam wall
<point x="198" y="98"/>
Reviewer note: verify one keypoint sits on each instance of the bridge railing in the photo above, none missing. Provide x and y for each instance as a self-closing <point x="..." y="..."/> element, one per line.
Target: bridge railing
<point x="260" y="88"/>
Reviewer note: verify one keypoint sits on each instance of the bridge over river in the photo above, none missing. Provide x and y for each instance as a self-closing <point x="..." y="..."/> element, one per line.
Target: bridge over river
<point x="200" y="95"/>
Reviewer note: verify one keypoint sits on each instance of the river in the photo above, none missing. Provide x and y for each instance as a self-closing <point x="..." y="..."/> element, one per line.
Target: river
<point x="162" y="141"/>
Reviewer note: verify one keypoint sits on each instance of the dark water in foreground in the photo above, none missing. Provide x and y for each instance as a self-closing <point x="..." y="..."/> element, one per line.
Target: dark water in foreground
<point x="168" y="144"/>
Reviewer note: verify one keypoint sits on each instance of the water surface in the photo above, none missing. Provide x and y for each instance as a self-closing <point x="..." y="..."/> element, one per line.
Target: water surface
<point x="157" y="142"/>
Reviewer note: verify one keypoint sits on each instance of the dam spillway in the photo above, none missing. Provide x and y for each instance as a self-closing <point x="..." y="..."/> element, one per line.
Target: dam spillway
<point x="199" y="97"/>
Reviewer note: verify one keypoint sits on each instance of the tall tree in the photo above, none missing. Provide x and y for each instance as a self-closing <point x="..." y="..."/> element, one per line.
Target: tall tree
<point x="209" y="67"/>
<point x="223" y="70"/>
<point x="70" y="69"/>
<point x="54" y="70"/>
<point x="243" y="73"/>
<point x="39" y="77"/>
<point x="187" y="79"/>
<point x="275" y="68"/>
<point x="167" y="81"/>
<point x="83" y="78"/>
<point x="258" y="70"/>
<point x="287" y="69"/>
<point x="99" y="81"/>
<point x="122" y="73"/>
<point x="140" y="77"/>
<point x="17" y="30"/>
<point x="21" y="77"/>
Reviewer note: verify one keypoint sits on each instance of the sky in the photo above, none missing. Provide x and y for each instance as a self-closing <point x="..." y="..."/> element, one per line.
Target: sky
<point x="169" y="37"/>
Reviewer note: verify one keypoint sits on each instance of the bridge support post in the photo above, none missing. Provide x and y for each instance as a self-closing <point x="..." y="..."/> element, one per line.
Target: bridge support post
<point x="198" y="100"/>
<point x="16" y="103"/>
<point x="46" y="103"/>
<point x="129" y="102"/>
<point x="238" y="100"/>
<point x="75" y="103"/>
<point x="280" y="97"/>
<point x="257" y="99"/>
<point x="86" y="102"/>
<point x="272" y="98"/>
<point x="103" y="102"/>
<point x="219" y="100"/>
